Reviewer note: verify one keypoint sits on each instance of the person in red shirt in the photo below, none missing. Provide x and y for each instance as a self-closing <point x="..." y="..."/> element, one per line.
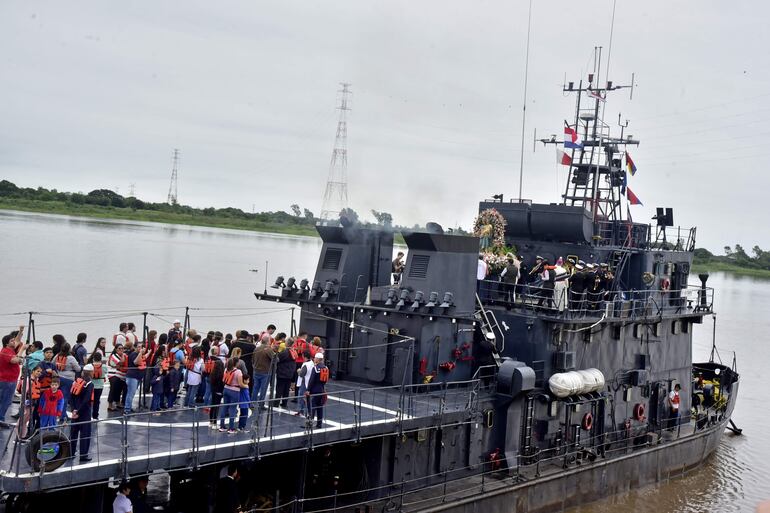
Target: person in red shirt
<point x="10" y="365"/>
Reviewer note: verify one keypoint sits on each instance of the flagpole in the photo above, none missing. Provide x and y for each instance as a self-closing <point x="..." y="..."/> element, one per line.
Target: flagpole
<point x="524" y="109"/>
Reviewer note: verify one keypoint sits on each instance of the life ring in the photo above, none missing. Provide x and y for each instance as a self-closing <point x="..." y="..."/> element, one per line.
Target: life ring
<point x="639" y="411"/>
<point x="588" y="422"/>
<point x="49" y="449"/>
<point x="665" y="284"/>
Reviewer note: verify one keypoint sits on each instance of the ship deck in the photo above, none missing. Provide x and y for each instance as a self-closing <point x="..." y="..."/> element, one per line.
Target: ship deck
<point x="182" y="438"/>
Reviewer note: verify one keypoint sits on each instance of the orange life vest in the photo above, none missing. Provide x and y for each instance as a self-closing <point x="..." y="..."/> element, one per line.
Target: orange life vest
<point x="61" y="363"/>
<point x="98" y="373"/>
<point x="164" y="364"/>
<point x="228" y="377"/>
<point x="323" y="374"/>
<point x="77" y="387"/>
<point x="123" y="365"/>
<point x="142" y="362"/>
<point x="209" y="366"/>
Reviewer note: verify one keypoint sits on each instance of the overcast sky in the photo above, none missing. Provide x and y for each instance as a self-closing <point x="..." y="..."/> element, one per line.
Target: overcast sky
<point x="97" y="94"/>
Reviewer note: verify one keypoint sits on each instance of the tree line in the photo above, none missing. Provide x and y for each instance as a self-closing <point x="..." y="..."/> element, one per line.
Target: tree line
<point x="759" y="259"/>
<point x="108" y="198"/>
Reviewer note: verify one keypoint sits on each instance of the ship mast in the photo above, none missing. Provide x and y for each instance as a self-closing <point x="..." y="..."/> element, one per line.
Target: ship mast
<point x="597" y="178"/>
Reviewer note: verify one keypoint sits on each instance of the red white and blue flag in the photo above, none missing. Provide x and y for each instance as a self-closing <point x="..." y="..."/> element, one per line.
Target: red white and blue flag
<point x="630" y="165"/>
<point x="633" y="198"/>
<point x="562" y="158"/>
<point x="571" y="139"/>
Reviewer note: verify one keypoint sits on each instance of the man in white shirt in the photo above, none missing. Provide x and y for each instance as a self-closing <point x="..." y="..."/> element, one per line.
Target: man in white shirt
<point x="481" y="273"/>
<point x="122" y="504"/>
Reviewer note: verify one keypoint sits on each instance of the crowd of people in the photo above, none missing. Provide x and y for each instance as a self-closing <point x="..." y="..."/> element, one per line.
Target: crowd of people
<point x="227" y="376"/>
<point x="570" y="284"/>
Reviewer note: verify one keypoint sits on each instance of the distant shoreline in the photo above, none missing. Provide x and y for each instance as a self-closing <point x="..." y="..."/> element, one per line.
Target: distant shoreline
<point x="729" y="268"/>
<point x="128" y="214"/>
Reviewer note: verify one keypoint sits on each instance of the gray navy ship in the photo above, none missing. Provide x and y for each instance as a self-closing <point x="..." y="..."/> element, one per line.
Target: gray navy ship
<point x="452" y="389"/>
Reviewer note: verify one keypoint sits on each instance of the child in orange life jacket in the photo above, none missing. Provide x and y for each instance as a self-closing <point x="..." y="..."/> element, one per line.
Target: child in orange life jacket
<point x="32" y="393"/>
<point x="49" y="369"/>
<point x="97" y="380"/>
<point x="51" y="406"/>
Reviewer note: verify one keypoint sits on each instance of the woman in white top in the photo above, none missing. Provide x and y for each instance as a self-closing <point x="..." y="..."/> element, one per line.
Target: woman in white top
<point x="194" y="373"/>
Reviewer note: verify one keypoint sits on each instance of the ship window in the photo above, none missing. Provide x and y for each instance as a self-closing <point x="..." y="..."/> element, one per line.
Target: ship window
<point x="419" y="267"/>
<point x="332" y="259"/>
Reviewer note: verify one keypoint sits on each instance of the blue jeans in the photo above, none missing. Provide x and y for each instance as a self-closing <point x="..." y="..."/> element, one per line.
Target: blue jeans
<point x="7" y="388"/>
<point x="65" y="385"/>
<point x="207" y="391"/>
<point x="131" y="385"/>
<point x="192" y="391"/>
<point x="229" y="408"/>
<point x="302" y="400"/>
<point x="260" y="387"/>
<point x="156" y="401"/>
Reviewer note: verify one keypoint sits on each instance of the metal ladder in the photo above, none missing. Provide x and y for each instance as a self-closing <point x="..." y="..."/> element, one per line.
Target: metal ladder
<point x="489" y="324"/>
<point x="526" y="434"/>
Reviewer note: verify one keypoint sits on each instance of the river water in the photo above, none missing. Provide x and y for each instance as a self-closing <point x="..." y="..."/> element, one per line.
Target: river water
<point x="89" y="275"/>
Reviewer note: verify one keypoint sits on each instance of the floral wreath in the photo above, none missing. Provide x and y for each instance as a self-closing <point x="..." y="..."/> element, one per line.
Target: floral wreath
<point x="491" y="224"/>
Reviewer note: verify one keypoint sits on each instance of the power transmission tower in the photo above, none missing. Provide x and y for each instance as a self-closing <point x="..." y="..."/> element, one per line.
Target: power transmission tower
<point x="172" y="188"/>
<point x="132" y="190"/>
<point x="336" y="195"/>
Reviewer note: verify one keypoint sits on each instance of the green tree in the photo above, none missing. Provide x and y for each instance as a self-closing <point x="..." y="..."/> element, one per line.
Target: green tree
<point x="383" y="218"/>
<point x="350" y="215"/>
<point x="296" y="210"/>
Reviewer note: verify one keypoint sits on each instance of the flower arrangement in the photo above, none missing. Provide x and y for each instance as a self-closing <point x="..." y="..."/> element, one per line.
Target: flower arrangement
<point x="490" y="227"/>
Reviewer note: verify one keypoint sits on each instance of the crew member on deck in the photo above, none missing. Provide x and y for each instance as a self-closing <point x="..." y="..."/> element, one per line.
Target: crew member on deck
<point x="398" y="267"/>
<point x="673" y="406"/>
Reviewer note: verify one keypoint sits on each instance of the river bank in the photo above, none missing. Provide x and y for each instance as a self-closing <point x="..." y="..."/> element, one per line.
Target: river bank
<point x="129" y="214"/>
<point x="712" y="267"/>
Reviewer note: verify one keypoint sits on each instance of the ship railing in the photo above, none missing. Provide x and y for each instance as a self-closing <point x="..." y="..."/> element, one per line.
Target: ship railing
<point x="644" y="236"/>
<point x="625" y="234"/>
<point x="181" y="437"/>
<point x="567" y="304"/>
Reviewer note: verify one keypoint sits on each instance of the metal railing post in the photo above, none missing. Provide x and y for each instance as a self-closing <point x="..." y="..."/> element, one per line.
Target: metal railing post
<point x="124" y="447"/>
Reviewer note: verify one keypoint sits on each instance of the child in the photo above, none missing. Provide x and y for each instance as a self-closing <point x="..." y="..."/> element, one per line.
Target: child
<point x="159" y="371"/>
<point x="49" y="369"/>
<point x="51" y="405"/>
<point x="243" y="404"/>
<point x="171" y="383"/>
<point x="97" y="380"/>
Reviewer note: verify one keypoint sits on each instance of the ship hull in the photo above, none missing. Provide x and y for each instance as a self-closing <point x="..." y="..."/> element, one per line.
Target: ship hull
<point x="593" y="481"/>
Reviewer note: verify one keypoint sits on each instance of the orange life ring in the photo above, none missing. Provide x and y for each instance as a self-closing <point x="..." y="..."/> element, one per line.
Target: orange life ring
<point x="639" y="411"/>
<point x="588" y="422"/>
<point x="665" y="284"/>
